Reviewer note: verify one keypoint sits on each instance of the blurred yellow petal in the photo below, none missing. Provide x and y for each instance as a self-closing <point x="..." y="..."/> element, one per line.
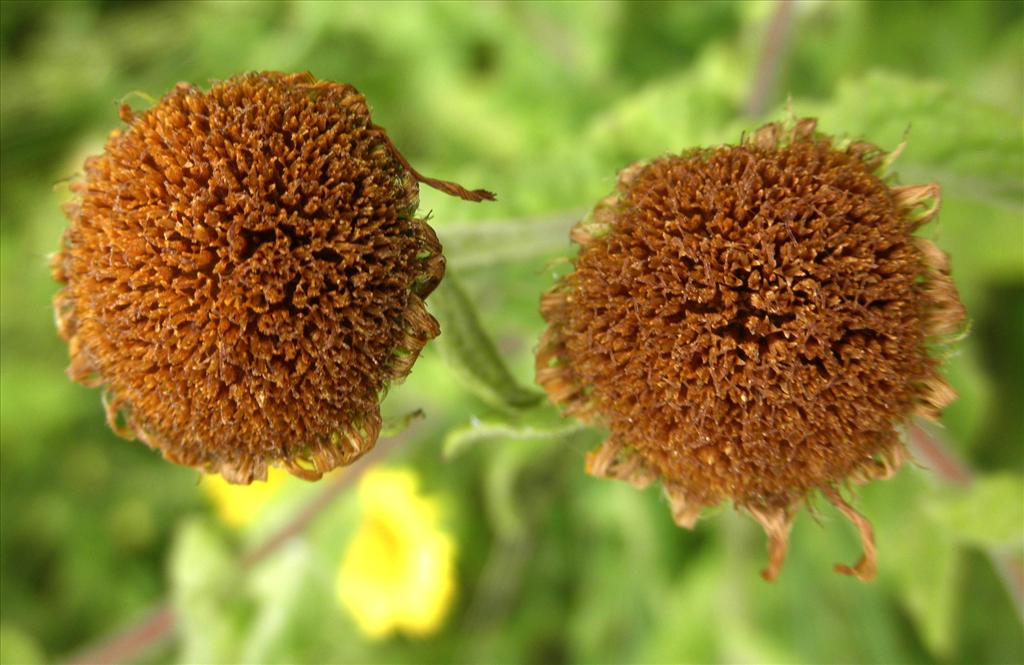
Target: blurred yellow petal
<point x="238" y="505"/>
<point x="398" y="573"/>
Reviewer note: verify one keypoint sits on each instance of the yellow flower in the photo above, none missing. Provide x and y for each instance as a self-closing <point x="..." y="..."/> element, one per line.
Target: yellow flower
<point x="238" y="505"/>
<point x="398" y="572"/>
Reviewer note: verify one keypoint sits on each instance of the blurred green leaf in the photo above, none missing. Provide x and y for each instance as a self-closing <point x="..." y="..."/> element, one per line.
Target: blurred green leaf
<point x="281" y="592"/>
<point x="501" y="475"/>
<point x="690" y="109"/>
<point x="512" y="450"/>
<point x="919" y="562"/>
<point x="206" y="584"/>
<point x="18" y="648"/>
<point x="680" y="630"/>
<point x="989" y="513"/>
<point x="471" y="354"/>
<point x="926" y="567"/>
<point x="969" y="44"/>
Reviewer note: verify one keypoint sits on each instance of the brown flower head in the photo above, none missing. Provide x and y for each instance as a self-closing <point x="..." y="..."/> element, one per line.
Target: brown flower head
<point x="244" y="275"/>
<point x="753" y="323"/>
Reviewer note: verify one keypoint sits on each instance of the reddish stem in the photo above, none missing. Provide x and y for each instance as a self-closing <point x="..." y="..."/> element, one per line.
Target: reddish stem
<point x="128" y="645"/>
<point x="937" y="457"/>
<point x="769" y="63"/>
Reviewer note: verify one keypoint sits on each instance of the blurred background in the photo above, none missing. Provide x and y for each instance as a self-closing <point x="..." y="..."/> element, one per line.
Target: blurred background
<point x="499" y="549"/>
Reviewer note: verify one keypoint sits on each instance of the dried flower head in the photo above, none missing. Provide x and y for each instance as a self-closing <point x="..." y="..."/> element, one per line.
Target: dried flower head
<point x="244" y="275"/>
<point x="753" y="323"/>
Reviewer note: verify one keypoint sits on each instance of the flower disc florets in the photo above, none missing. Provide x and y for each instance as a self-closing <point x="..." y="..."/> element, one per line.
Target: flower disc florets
<point x="752" y="323"/>
<point x="244" y="275"/>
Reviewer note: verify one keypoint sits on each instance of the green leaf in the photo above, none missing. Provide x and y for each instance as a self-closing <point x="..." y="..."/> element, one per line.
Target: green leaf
<point x="516" y="447"/>
<point x="509" y="471"/>
<point x="918" y="560"/>
<point x="205" y="579"/>
<point x="840" y="39"/>
<point x="926" y="565"/>
<point x="280" y="586"/>
<point x="472" y="355"/>
<point x="684" y="611"/>
<point x="682" y="111"/>
<point x="989" y="513"/>
<point x="501" y="475"/>
<point x="18" y="648"/>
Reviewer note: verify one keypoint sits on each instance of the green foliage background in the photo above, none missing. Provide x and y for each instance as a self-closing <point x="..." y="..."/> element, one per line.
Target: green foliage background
<point x="542" y="103"/>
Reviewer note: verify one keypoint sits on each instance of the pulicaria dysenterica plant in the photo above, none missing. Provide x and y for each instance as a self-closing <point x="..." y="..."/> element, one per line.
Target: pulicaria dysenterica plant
<point x="244" y="275"/>
<point x="753" y="324"/>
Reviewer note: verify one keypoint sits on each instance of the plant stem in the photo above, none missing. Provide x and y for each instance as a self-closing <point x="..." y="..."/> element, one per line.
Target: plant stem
<point x="937" y="458"/>
<point x="769" y="64"/>
<point x="125" y="646"/>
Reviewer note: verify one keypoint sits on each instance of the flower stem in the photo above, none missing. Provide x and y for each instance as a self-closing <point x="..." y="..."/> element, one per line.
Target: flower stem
<point x="769" y="62"/>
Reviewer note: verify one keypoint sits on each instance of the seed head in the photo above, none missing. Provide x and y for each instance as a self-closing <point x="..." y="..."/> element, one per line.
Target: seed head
<point x="244" y="275"/>
<point x="753" y="323"/>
